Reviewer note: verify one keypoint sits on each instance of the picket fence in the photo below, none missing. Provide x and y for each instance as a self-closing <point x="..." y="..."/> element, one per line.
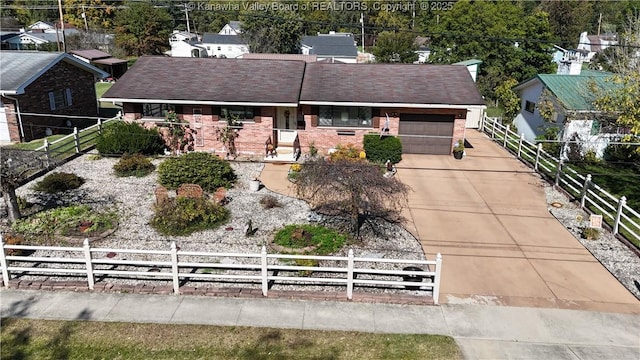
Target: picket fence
<point x="615" y="212"/>
<point x="178" y="265"/>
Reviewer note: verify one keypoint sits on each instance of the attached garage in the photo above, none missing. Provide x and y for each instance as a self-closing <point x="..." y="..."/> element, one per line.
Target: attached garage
<point x="426" y="133"/>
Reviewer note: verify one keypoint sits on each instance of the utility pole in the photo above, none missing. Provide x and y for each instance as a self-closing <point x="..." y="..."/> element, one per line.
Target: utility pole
<point x="64" y="43"/>
<point x="84" y="16"/>
<point x="599" y="23"/>
<point x="362" y="24"/>
<point x="186" y="11"/>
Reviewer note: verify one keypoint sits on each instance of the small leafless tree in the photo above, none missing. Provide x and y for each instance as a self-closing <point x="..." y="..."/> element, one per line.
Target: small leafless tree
<point x="15" y="167"/>
<point x="355" y="190"/>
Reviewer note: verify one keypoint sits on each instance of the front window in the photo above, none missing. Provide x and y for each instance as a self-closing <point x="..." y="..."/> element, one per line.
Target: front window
<point x="237" y="113"/>
<point x="529" y="106"/>
<point x="156" y="110"/>
<point x="345" y="116"/>
<point x="60" y="99"/>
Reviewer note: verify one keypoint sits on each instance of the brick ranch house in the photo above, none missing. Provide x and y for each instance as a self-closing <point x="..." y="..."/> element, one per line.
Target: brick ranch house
<point x="49" y="84"/>
<point x="287" y="102"/>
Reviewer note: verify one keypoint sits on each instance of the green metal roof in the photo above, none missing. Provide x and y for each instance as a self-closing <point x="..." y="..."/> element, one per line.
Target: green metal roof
<point x="468" y="62"/>
<point x="574" y="91"/>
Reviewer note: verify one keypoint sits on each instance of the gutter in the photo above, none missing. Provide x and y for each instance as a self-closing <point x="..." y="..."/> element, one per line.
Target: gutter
<point x="17" y="112"/>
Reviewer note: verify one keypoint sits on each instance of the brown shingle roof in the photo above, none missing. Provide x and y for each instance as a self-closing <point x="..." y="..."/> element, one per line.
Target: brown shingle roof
<point x="389" y="83"/>
<point x="206" y="79"/>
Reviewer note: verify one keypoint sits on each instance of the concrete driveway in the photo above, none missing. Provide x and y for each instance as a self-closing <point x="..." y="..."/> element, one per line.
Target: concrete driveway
<point x="487" y="215"/>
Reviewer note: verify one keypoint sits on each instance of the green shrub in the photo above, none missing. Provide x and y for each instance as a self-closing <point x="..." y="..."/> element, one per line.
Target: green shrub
<point x="65" y="221"/>
<point x="590" y="233"/>
<point x="623" y="152"/>
<point x="380" y="149"/>
<point x="184" y="216"/>
<point x="58" y="182"/>
<point x="129" y="138"/>
<point x="299" y="236"/>
<point x="133" y="165"/>
<point x="206" y="170"/>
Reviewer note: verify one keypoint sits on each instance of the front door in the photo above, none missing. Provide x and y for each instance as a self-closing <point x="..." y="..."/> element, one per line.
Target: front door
<point x="286" y="118"/>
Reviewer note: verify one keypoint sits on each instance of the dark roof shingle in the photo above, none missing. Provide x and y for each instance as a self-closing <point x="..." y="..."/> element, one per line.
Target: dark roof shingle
<point x="389" y="83"/>
<point x="211" y="38"/>
<point x="331" y="45"/>
<point x="207" y="79"/>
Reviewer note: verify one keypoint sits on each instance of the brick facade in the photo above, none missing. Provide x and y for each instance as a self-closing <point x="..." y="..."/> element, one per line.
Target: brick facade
<point x="253" y="135"/>
<point x="61" y="76"/>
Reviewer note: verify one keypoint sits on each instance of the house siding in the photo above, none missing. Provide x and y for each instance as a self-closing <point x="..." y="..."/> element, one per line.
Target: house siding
<point x="252" y="137"/>
<point x="12" y="120"/>
<point x="60" y="77"/>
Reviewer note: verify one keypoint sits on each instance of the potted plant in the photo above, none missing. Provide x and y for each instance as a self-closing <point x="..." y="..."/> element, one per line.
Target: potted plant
<point x="254" y="184"/>
<point x="458" y="150"/>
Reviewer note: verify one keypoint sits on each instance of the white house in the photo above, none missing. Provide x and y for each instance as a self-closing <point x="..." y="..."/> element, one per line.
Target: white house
<point x="573" y="113"/>
<point x="178" y="35"/>
<point x="232" y="28"/>
<point x="224" y="46"/>
<point x="595" y="43"/>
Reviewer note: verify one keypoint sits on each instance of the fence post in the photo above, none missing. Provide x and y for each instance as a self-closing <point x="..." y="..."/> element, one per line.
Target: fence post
<point x="520" y="144"/>
<point x="350" y="263"/>
<point x="76" y="139"/>
<point x="558" y="172"/>
<point x="174" y="268"/>
<point x="585" y="189"/>
<point x="3" y="262"/>
<point x="264" y="273"/>
<point x="616" y="224"/>
<point x="538" y="151"/>
<point x="506" y="135"/>
<point x="436" y="286"/>
<point x="493" y="129"/>
<point x="46" y="151"/>
<point x="99" y="126"/>
<point x="87" y="259"/>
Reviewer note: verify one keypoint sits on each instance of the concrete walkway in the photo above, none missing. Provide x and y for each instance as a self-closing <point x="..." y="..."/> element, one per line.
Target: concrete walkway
<point x="481" y="331"/>
<point x="487" y="215"/>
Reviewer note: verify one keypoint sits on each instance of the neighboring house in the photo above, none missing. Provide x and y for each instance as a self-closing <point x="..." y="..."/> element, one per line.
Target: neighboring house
<point x="42" y="25"/>
<point x="573" y="112"/>
<point x="114" y="66"/>
<point x="332" y="46"/>
<point x="185" y="44"/>
<point x="49" y="84"/>
<point x="224" y="46"/>
<point x="287" y="102"/>
<point x="422" y="43"/>
<point x="476" y="114"/>
<point x="594" y="44"/>
<point x="271" y="56"/>
<point x="178" y="35"/>
<point x="232" y="28"/>
<point x="35" y="40"/>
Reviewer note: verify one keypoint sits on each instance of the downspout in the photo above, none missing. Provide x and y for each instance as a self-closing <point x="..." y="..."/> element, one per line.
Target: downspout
<point x="17" y="112"/>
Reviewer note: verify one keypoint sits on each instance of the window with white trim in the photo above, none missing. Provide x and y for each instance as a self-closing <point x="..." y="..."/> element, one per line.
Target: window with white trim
<point x="239" y="113"/>
<point x="157" y="110"/>
<point x="60" y="99"/>
<point x="345" y="116"/>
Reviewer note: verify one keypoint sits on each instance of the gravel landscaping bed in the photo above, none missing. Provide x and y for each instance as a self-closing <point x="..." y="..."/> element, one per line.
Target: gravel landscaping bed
<point x="621" y="261"/>
<point x="134" y="199"/>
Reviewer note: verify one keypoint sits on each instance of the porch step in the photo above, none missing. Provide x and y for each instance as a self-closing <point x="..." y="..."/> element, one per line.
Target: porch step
<point x="283" y="153"/>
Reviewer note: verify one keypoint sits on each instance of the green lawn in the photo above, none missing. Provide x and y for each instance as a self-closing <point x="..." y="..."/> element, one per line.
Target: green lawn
<point x="34" y="144"/>
<point x="48" y="339"/>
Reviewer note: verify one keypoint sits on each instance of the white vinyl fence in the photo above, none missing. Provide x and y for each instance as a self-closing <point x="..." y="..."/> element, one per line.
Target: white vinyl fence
<point x="76" y="142"/>
<point x="615" y="212"/>
<point x="176" y="265"/>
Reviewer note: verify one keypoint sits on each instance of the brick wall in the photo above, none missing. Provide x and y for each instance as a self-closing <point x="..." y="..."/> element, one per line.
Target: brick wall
<point x="12" y="119"/>
<point x="36" y="100"/>
<point x="253" y="136"/>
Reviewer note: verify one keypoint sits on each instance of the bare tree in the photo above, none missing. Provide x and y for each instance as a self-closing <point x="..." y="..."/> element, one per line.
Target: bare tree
<point x="15" y="167"/>
<point x="356" y="190"/>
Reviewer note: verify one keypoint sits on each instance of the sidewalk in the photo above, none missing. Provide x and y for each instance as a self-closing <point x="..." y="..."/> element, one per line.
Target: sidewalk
<point x="482" y="332"/>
